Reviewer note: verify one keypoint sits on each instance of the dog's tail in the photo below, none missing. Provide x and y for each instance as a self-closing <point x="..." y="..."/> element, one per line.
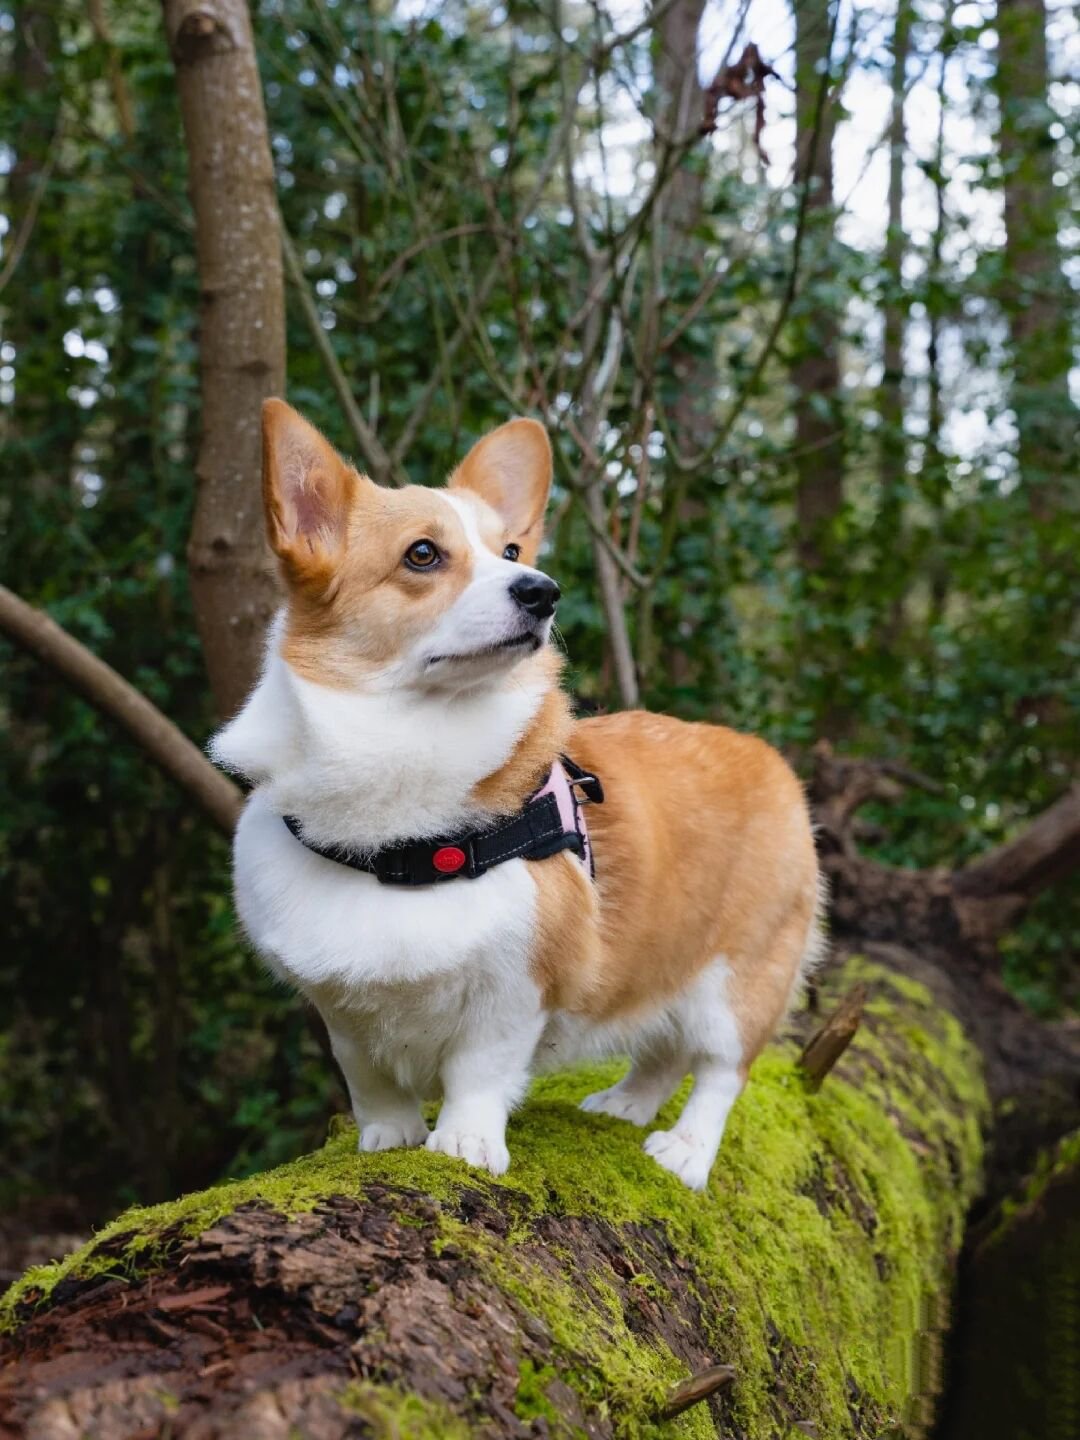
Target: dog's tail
<point x="816" y="949"/>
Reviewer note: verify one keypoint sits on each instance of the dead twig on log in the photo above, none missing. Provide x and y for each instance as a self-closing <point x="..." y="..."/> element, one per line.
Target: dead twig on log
<point x="826" y="1045"/>
<point x="699" y="1387"/>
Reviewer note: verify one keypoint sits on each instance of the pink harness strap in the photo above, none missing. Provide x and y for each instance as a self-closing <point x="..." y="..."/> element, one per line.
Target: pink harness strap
<point x="571" y="812"/>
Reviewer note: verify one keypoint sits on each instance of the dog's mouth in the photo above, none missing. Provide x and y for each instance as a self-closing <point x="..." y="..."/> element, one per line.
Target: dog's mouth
<point x="527" y="638"/>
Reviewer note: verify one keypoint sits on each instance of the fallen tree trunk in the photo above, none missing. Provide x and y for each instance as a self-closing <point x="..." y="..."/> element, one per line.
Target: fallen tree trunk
<point x="405" y="1295"/>
<point x="953" y="920"/>
<point x="1014" y="1367"/>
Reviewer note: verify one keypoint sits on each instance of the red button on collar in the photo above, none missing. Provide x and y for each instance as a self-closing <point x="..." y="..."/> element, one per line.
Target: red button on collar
<point x="448" y="860"/>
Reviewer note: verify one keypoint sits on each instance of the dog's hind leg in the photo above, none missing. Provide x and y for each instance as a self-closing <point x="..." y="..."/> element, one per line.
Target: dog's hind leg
<point x="689" y="1149"/>
<point x="712" y="1037"/>
<point x="637" y="1097"/>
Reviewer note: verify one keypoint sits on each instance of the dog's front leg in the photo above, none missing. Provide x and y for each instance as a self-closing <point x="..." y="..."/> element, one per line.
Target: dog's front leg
<point x="387" y="1117"/>
<point x="483" y="1078"/>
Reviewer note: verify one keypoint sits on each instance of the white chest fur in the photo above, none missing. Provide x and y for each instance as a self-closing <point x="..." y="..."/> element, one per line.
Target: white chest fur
<point x="368" y="769"/>
<point x="406" y="973"/>
<point x="408" y="967"/>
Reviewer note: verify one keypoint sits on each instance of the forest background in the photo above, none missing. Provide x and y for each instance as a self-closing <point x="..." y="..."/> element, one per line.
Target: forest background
<point x="800" y="319"/>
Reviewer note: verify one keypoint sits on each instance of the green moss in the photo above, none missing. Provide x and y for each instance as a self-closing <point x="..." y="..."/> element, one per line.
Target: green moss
<point x="390" y="1411"/>
<point x="532" y="1398"/>
<point x="1052" y="1166"/>
<point x="818" y="1248"/>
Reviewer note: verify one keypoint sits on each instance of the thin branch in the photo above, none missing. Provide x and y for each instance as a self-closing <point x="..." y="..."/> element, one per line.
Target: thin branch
<point x="652" y="17"/>
<point x="411" y="251"/>
<point x="381" y="465"/>
<point x="480" y="296"/>
<point x="99" y="683"/>
<point x="791" y="287"/>
<point x="125" y="111"/>
<point x="600" y="533"/>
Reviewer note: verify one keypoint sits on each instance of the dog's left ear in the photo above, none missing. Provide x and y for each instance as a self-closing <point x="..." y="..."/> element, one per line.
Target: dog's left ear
<point x="510" y="468"/>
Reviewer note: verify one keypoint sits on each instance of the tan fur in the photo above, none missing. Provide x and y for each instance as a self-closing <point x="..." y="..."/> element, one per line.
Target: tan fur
<point x="340" y="538"/>
<point x="703" y="848"/>
<point x="510" y="470"/>
<point x="376" y="605"/>
<point x="568" y="955"/>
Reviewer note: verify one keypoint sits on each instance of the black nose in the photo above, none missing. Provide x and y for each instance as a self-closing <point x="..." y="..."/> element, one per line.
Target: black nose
<point x="537" y="594"/>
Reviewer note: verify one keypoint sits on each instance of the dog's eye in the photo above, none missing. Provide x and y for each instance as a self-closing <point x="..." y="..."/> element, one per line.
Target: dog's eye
<point x="421" y="555"/>
<point x="511" y="552"/>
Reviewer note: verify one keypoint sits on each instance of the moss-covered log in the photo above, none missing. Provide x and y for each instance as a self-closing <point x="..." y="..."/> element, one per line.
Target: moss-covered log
<point x="404" y="1295"/>
<point x="1015" y="1357"/>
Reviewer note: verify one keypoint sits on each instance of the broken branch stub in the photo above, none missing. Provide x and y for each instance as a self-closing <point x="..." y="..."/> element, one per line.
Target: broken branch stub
<point x="697" y="1388"/>
<point x="826" y="1045"/>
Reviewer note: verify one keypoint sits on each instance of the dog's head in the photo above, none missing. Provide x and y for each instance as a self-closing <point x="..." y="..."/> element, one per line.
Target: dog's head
<point x="428" y="588"/>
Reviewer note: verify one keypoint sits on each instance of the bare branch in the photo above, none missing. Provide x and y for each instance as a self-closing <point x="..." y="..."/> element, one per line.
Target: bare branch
<point x="26" y="226"/>
<point x="1048" y="849"/>
<point x="411" y="251"/>
<point x="97" y="682"/>
<point x="791" y="287"/>
<point x="480" y="296"/>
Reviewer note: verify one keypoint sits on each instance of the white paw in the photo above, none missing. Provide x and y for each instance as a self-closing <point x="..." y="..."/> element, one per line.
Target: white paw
<point x="487" y="1152"/>
<point x="623" y="1104"/>
<point x="690" y="1160"/>
<point x="392" y="1135"/>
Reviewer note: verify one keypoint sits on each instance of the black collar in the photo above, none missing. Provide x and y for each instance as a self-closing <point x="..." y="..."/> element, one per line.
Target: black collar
<point x="534" y="833"/>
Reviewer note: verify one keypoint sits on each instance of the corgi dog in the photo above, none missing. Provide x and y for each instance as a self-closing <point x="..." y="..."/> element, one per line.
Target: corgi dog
<point x="408" y="858"/>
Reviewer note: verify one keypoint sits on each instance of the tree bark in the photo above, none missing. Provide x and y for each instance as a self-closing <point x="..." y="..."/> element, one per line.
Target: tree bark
<point x="691" y="369"/>
<point x="934" y="479"/>
<point x="969" y="908"/>
<point x="587" y="1292"/>
<point x="36" y="433"/>
<point x="891" y="405"/>
<point x="1014" y="1369"/>
<point x="1033" y="291"/>
<point x="815" y="370"/>
<point x="954" y="920"/>
<point x="242" y="330"/>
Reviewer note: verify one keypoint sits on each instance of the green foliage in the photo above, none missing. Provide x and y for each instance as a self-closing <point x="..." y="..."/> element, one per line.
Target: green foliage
<point x="142" y="1051"/>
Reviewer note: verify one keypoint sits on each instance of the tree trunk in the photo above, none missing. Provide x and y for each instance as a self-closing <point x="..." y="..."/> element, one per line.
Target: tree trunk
<point x="690" y="366"/>
<point x="36" y="434"/>
<point x="815" y="369"/>
<point x="934" y="478"/>
<point x="1034" y="293"/>
<point x="1014" y="1370"/>
<point x="242" y="329"/>
<point x="954" y="919"/>
<point x="891" y="403"/>
<point x="404" y="1294"/>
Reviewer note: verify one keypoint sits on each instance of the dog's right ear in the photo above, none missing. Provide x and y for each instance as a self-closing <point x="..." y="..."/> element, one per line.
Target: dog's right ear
<point x="308" y="493"/>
